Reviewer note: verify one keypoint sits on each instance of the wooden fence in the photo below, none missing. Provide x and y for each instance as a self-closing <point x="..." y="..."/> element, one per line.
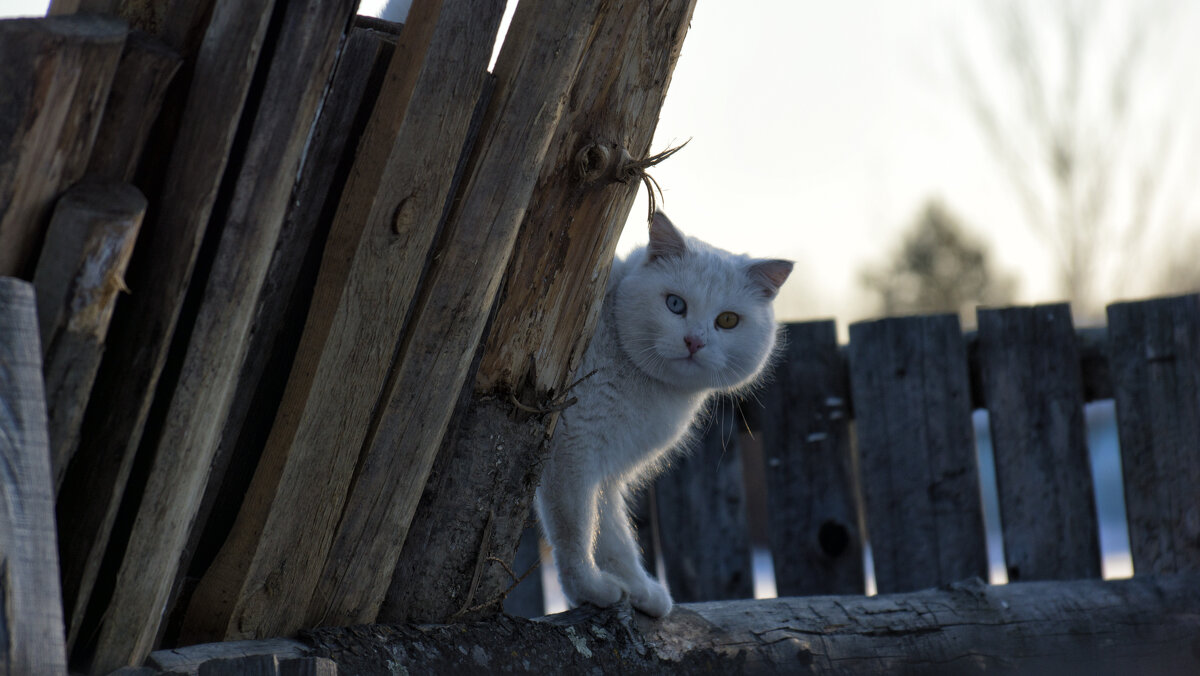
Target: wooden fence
<point x="874" y="442"/>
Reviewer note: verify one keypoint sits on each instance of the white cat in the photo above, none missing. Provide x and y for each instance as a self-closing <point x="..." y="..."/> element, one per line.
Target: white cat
<point x="681" y="320"/>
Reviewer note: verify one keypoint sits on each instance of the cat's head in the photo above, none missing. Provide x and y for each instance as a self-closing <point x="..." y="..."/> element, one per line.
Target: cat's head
<point x="692" y="315"/>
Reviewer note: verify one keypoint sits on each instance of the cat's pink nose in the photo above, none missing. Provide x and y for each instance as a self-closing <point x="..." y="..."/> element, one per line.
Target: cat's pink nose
<point x="693" y="344"/>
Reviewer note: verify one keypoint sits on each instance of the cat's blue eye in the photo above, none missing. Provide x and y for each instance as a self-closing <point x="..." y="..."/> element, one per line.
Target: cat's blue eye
<point x="676" y="304"/>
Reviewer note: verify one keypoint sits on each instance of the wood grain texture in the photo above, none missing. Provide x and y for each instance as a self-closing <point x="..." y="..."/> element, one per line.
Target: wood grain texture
<point x="920" y="477"/>
<point x="374" y="258"/>
<point x="146" y="68"/>
<point x="79" y="274"/>
<point x="58" y="72"/>
<point x="31" y="621"/>
<point x="534" y="74"/>
<point x="553" y="286"/>
<point x="300" y="64"/>
<point x="1155" y="361"/>
<point x="144" y="321"/>
<point x="287" y="290"/>
<point x="559" y="271"/>
<point x="812" y="490"/>
<point x="1034" y="390"/>
<point x="701" y="503"/>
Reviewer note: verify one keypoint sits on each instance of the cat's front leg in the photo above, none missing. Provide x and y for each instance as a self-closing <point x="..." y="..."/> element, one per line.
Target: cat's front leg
<point x="569" y="515"/>
<point x="617" y="553"/>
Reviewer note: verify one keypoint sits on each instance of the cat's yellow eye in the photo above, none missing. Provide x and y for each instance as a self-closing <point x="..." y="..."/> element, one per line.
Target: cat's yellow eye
<point x="727" y="320"/>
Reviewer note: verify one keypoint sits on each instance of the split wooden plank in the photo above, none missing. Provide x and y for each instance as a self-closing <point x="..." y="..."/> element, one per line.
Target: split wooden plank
<point x="386" y="223"/>
<point x="79" y="273"/>
<point x="550" y="301"/>
<point x="144" y="321"/>
<point x="300" y="65"/>
<point x="146" y="68"/>
<point x="813" y="520"/>
<point x="1155" y="362"/>
<point x="920" y="477"/>
<point x="58" y="74"/>
<point x="701" y="504"/>
<point x="534" y="75"/>
<point x="287" y="291"/>
<point x="31" y="622"/>
<point x="1034" y="391"/>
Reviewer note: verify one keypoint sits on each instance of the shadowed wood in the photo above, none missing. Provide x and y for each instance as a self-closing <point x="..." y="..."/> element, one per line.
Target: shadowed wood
<point x="1034" y="390"/>
<point x="920" y="477"/>
<point x="534" y="74"/>
<point x="813" y="515"/>
<point x="1155" y="361"/>
<point x="300" y="63"/>
<point x="376" y="252"/>
<point x="551" y="295"/>
<point x="146" y="68"/>
<point x="58" y="72"/>
<point x="31" y="621"/>
<point x="701" y="502"/>
<point x="78" y="276"/>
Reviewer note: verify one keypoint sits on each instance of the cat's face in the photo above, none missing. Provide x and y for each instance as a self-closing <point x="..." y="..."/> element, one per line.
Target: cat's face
<point x="694" y="316"/>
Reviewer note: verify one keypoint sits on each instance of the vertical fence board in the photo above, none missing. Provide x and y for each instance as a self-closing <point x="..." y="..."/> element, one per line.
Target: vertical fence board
<point x="144" y="321"/>
<point x="701" y="504"/>
<point x="1155" y="362"/>
<point x="813" y="519"/>
<point x="31" y="620"/>
<point x="79" y="273"/>
<point x="1034" y="391"/>
<point x="920" y="479"/>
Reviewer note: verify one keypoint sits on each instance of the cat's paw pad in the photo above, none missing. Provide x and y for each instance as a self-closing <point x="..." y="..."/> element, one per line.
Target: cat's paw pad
<point x="651" y="598"/>
<point x="597" y="588"/>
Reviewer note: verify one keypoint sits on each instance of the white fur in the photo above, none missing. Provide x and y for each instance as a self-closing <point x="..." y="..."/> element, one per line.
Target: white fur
<point x="642" y="399"/>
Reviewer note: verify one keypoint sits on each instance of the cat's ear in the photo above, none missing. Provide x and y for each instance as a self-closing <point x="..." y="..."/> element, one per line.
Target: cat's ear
<point x="665" y="239"/>
<point x="769" y="275"/>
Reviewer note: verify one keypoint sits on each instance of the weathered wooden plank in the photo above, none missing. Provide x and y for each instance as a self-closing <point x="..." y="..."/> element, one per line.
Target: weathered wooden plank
<point x="256" y="665"/>
<point x="58" y="71"/>
<point x="187" y="659"/>
<point x="1034" y="391"/>
<point x="308" y="666"/>
<point x="79" y="273"/>
<point x="534" y="75"/>
<point x="701" y="504"/>
<point x="1155" y="361"/>
<point x="300" y="65"/>
<point x="31" y="622"/>
<point x="144" y="321"/>
<point x="146" y="68"/>
<point x="812" y="492"/>
<point x="551" y="296"/>
<point x="287" y="290"/>
<point x="386" y="223"/>
<point x="920" y="478"/>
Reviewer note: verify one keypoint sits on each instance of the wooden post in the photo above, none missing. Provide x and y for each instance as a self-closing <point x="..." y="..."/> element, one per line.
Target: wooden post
<point x="58" y="72"/>
<point x="78" y="276"/>
<point x="31" y="621"/>
<point x="146" y="68"/>
<point x="920" y="477"/>
<point x="144" y="321"/>
<point x="385" y="225"/>
<point x="1034" y="392"/>
<point x="550" y="302"/>
<point x="534" y="75"/>
<point x="1155" y="361"/>
<point x="813" y="519"/>
<point x="300" y="65"/>
<point x="701" y="502"/>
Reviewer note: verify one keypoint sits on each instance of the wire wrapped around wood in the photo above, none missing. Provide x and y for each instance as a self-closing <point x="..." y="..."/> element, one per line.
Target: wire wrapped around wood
<point x="597" y="161"/>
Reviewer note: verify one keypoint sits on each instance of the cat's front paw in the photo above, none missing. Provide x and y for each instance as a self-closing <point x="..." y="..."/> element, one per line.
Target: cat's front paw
<point x="590" y="586"/>
<point x="651" y="597"/>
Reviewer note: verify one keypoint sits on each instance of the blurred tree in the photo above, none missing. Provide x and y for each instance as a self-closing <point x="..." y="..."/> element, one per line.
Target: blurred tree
<point x="938" y="268"/>
<point x="1079" y="101"/>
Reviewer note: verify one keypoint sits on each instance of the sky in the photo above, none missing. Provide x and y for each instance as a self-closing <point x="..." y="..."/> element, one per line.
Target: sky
<point x="818" y="130"/>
